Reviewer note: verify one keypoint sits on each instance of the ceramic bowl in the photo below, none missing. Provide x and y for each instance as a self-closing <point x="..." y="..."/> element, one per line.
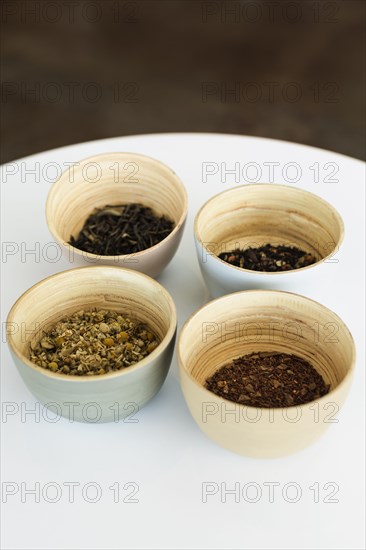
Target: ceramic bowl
<point x="117" y="178"/>
<point x="254" y="215"/>
<point x="106" y="397"/>
<point x="259" y="321"/>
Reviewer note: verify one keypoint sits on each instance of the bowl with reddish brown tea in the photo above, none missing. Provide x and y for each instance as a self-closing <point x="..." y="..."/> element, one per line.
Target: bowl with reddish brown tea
<point x="122" y="209"/>
<point x="265" y="372"/>
<point x="96" y="342"/>
<point x="267" y="236"/>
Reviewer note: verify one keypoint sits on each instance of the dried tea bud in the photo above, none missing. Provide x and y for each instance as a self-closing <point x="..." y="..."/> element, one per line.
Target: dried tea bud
<point x="152" y="346"/>
<point x="108" y="341"/>
<point x="59" y="340"/>
<point x="53" y="366"/>
<point x="47" y="344"/>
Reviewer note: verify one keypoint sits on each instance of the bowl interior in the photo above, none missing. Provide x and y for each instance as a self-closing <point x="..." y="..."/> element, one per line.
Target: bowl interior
<point x="114" y="178"/>
<point x="253" y="321"/>
<point x="111" y="288"/>
<point x="254" y="215"/>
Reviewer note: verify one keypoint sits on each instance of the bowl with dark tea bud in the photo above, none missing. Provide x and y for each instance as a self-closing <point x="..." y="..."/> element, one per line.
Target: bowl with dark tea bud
<point x="266" y="236"/>
<point x="120" y="209"/>
<point x="265" y="372"/>
<point x="96" y="342"/>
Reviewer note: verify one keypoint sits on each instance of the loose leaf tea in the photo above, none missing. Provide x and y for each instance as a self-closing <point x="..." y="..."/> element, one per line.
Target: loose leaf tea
<point x="269" y="258"/>
<point x="268" y="380"/>
<point x="121" y="229"/>
<point x="93" y="342"/>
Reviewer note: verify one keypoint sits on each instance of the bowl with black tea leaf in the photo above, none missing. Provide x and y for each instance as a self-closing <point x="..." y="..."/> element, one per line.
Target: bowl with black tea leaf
<point x="263" y="372"/>
<point x="96" y="342"/>
<point x="120" y="209"/>
<point x="267" y="236"/>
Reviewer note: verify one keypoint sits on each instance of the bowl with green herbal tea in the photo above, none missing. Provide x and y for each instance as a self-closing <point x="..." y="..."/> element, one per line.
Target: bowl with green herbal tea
<point x="120" y="209"/>
<point x="266" y="236"/>
<point x="265" y="372"/>
<point x="101" y="335"/>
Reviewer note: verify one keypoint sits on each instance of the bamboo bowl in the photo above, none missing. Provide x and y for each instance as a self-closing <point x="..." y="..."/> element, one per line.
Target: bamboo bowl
<point x="254" y="215"/>
<point x="106" y="397"/>
<point x="116" y="178"/>
<point x="256" y="321"/>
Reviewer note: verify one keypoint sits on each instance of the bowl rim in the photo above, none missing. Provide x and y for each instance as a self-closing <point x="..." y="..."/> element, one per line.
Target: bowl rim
<point x="96" y="377"/>
<point x="267" y="186"/>
<point x="54" y="232"/>
<point x="182" y="366"/>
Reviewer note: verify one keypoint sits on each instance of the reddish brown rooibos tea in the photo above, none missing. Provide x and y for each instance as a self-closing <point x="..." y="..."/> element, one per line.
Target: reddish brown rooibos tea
<point x="121" y="229"/>
<point x="269" y="258"/>
<point x="268" y="380"/>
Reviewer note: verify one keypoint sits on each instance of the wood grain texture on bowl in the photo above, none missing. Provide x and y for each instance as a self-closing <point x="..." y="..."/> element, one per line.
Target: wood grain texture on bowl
<point x="254" y="215"/>
<point x="101" y="287"/>
<point x="254" y="321"/>
<point x="117" y="178"/>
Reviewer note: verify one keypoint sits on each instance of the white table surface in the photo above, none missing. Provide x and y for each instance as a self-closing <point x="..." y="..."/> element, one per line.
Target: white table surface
<point x="163" y="454"/>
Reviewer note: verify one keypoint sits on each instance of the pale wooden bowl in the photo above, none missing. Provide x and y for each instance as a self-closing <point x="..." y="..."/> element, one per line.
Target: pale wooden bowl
<point x="115" y="395"/>
<point x="116" y="178"/>
<point x="259" y="320"/>
<point x="254" y="215"/>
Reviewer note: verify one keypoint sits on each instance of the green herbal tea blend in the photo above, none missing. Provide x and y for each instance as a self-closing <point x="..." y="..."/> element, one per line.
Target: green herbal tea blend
<point x="269" y="258"/>
<point x="121" y="229"/>
<point x="268" y="380"/>
<point x="93" y="342"/>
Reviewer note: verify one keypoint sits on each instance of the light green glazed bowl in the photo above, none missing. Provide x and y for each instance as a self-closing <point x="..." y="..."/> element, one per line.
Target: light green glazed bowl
<point x="96" y="398"/>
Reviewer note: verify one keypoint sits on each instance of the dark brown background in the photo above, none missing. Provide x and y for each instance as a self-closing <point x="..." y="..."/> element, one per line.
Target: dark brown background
<point x="168" y="66"/>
